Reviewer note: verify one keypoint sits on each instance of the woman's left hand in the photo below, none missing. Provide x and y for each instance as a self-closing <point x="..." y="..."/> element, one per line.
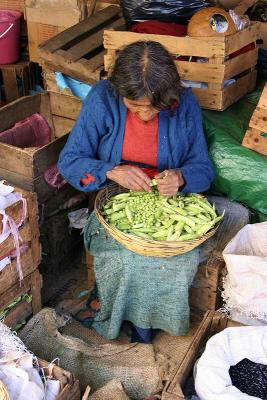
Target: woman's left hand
<point x="169" y="182"/>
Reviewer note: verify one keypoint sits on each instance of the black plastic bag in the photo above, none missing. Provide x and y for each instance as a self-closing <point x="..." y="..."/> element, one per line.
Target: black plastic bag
<point x="168" y="10"/>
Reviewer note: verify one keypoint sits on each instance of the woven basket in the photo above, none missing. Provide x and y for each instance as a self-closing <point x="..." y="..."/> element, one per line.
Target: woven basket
<point x="3" y="392"/>
<point x="145" y="247"/>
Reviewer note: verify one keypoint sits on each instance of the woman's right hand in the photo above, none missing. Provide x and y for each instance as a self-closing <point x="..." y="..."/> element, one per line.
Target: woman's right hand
<point x="130" y="177"/>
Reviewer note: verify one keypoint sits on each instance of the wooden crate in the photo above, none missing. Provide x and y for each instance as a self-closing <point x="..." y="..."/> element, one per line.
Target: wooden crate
<point x="256" y="135"/>
<point x="45" y="19"/>
<point x="30" y="285"/>
<point x="17" y="5"/>
<point x="93" y="6"/>
<point x="29" y="233"/>
<point x="65" y="107"/>
<point x="18" y="80"/>
<point x="25" y="167"/>
<point x="214" y="72"/>
<point x="205" y="295"/>
<point x="212" y="323"/>
<point x="78" y="51"/>
<point x="70" y="389"/>
<point x="206" y="291"/>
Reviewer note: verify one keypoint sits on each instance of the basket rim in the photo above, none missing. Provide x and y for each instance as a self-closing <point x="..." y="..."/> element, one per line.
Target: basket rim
<point x="140" y="240"/>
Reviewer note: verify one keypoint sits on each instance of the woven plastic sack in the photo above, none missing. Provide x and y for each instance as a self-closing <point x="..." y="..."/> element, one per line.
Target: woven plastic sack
<point x="167" y="10"/>
<point x="33" y="131"/>
<point x="113" y="390"/>
<point x="94" y="364"/>
<point x="245" y="287"/>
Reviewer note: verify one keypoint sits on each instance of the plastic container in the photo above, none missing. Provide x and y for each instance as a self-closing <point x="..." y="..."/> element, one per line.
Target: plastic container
<point x="9" y="36"/>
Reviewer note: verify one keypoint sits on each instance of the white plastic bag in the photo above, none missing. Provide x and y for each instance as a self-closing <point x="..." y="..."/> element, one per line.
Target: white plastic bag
<point x="245" y="287"/>
<point x="227" y="348"/>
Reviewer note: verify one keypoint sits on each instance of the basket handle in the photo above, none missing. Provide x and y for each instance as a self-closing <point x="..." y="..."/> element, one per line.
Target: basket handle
<point x="6" y="31"/>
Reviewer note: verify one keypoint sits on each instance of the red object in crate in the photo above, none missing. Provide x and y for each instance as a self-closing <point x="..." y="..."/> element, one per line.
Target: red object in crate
<point x="33" y="131"/>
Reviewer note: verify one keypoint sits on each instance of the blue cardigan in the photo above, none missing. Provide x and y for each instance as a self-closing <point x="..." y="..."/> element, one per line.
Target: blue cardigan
<point x="95" y="143"/>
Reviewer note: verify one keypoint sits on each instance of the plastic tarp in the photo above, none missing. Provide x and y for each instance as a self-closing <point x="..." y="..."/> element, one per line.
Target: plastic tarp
<point x="241" y="173"/>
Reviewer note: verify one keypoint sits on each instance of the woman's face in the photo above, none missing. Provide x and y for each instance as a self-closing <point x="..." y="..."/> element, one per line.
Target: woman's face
<point x="142" y="108"/>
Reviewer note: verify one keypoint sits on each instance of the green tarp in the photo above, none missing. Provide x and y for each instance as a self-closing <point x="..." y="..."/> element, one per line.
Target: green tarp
<point x="241" y="173"/>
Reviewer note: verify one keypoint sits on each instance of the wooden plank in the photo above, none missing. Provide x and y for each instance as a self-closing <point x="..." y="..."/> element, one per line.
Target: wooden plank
<point x="84" y="71"/>
<point x="243" y="38"/>
<point x="201" y="72"/>
<point x="14" y="211"/>
<point x="254" y="140"/>
<point x="47" y="156"/>
<point x="55" y="16"/>
<point x="8" y="244"/>
<point x="33" y="221"/>
<point x="65" y="106"/>
<point x="63" y="125"/>
<point x="45" y="111"/>
<point x="15" y="159"/>
<point x="9" y="276"/>
<point x="263" y="99"/>
<point x="236" y="91"/>
<point x="18" y="314"/>
<point x="10" y="84"/>
<point x="19" y="110"/>
<point x="241" y="63"/>
<point x="186" y="46"/>
<point x="17" y="179"/>
<point x="214" y="85"/>
<point x="259" y="120"/>
<point x="36" y="286"/>
<point x="91" y="43"/>
<point x="80" y="29"/>
<point x="209" y="98"/>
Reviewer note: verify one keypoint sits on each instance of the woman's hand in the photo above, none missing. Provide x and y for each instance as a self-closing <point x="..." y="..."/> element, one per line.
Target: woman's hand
<point x="169" y="182"/>
<point x="130" y="177"/>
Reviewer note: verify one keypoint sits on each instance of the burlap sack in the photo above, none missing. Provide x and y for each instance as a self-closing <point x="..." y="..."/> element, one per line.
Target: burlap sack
<point x="92" y="363"/>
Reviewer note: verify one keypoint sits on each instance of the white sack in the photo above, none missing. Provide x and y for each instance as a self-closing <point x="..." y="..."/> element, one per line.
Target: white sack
<point x="227" y="348"/>
<point x="245" y="287"/>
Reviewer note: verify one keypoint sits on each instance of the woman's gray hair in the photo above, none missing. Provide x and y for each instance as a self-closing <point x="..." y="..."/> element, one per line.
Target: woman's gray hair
<point x="146" y="69"/>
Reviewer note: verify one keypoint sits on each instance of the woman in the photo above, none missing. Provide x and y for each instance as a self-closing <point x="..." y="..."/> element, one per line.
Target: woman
<point x="136" y="125"/>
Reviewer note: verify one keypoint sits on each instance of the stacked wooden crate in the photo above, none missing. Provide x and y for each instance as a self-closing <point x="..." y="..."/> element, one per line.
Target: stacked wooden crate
<point x="25" y="167"/>
<point x="46" y="19"/>
<point x="26" y="293"/>
<point x="220" y="62"/>
<point x="256" y="135"/>
<point x="78" y="51"/>
<point x="65" y="107"/>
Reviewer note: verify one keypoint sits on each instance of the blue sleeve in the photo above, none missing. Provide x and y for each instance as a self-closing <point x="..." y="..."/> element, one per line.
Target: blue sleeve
<point x="197" y="169"/>
<point x="79" y="156"/>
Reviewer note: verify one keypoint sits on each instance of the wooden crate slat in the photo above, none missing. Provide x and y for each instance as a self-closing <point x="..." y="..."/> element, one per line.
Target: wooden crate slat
<point x="243" y="38"/>
<point x="65" y="106"/>
<point x="63" y="125"/>
<point x="18" y="314"/>
<point x="81" y="70"/>
<point x="241" y="63"/>
<point x="47" y="155"/>
<point x="91" y="43"/>
<point x="209" y="98"/>
<point x="186" y="46"/>
<point x="201" y="72"/>
<point x="10" y="84"/>
<point x="10" y="154"/>
<point x="18" y="110"/>
<point x="238" y="89"/>
<point x="84" y="27"/>
<point x="259" y="120"/>
<point x="263" y="99"/>
<point x="256" y="135"/>
<point x="255" y="141"/>
<point x="9" y="276"/>
<point x="8" y="244"/>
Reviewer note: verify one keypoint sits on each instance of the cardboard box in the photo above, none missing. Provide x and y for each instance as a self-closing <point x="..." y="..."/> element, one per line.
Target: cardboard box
<point x="46" y="19"/>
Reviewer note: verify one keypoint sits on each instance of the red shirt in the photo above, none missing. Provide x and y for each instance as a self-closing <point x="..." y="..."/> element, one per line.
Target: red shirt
<point x="140" y="143"/>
